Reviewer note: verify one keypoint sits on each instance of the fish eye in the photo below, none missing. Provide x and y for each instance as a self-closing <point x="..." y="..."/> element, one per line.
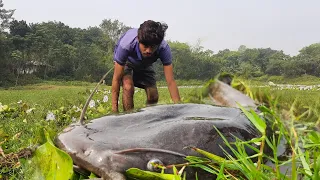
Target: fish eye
<point x="151" y="165"/>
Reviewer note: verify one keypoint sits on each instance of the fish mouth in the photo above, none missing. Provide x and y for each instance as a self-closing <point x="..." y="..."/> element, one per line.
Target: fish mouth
<point x="135" y="150"/>
<point x="203" y="118"/>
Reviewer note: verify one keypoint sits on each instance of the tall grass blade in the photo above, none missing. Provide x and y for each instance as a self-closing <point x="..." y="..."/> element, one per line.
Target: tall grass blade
<point x="255" y="119"/>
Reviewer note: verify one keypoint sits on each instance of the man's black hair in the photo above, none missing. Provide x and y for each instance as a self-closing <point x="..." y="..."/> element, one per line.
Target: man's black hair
<point x="151" y="33"/>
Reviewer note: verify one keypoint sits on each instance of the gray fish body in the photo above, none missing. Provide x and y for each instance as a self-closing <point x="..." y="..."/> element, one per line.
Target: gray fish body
<point x="95" y="146"/>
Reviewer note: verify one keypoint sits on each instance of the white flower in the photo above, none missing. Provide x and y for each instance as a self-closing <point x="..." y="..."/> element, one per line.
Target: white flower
<point x="106" y="92"/>
<point x="50" y="116"/>
<point x="73" y="119"/>
<point x="77" y="109"/>
<point x="105" y="98"/>
<point x="19" y="102"/>
<point x="29" y="110"/>
<point x="92" y="104"/>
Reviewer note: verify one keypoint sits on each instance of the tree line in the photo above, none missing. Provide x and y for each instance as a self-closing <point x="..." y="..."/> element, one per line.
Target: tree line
<point x="54" y="50"/>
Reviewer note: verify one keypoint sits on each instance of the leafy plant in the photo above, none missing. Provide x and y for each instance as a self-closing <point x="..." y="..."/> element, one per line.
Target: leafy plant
<point x="49" y="162"/>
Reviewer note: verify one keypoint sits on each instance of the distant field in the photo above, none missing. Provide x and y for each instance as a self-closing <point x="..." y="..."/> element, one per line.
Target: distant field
<point x="56" y="95"/>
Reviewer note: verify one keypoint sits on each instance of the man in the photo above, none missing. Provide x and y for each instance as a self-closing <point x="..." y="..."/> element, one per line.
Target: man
<point x="134" y="54"/>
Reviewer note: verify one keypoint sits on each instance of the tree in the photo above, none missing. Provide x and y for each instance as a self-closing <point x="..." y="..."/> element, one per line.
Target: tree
<point x="293" y="68"/>
<point x="18" y="32"/>
<point x="19" y="28"/>
<point x="5" y="53"/>
<point x="5" y="45"/>
<point x="277" y="63"/>
<point x="5" y="17"/>
<point x="309" y="59"/>
<point x="242" y="48"/>
<point x="263" y="58"/>
<point x="114" y="29"/>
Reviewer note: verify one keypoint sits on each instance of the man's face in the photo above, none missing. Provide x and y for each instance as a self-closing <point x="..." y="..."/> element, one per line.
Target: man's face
<point x="147" y="51"/>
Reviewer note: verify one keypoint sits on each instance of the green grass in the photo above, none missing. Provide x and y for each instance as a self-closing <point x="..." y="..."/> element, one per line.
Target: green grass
<point x="44" y="95"/>
<point x="44" y="98"/>
<point x="53" y="96"/>
<point x="302" y="105"/>
<point x="302" y="80"/>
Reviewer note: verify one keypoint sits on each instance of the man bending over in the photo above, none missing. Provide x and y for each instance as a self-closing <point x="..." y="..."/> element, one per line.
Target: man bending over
<point x="134" y="55"/>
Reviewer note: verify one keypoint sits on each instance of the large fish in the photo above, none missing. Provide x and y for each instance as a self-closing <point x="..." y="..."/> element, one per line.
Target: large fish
<point x="110" y="145"/>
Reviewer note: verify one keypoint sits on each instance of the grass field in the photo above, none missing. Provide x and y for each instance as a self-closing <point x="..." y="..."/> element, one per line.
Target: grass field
<point x="45" y="98"/>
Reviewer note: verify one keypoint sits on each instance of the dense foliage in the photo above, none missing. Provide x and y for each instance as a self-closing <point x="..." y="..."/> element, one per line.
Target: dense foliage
<point x="53" y="50"/>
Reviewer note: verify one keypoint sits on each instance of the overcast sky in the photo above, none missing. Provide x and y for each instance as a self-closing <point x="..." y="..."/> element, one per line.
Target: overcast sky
<point x="286" y="25"/>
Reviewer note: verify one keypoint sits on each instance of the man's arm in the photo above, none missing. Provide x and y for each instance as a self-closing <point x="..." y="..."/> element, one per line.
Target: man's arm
<point x="115" y="89"/>
<point x="172" y="86"/>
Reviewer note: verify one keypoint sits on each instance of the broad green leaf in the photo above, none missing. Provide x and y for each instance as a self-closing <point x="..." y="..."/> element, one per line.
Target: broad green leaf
<point x="146" y="175"/>
<point x="51" y="163"/>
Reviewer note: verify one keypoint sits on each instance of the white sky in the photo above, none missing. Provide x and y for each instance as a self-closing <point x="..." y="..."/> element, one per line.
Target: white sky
<point x="286" y="25"/>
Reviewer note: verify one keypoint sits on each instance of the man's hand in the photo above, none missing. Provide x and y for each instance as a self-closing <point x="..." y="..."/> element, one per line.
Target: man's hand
<point x="172" y="86"/>
<point x="115" y="89"/>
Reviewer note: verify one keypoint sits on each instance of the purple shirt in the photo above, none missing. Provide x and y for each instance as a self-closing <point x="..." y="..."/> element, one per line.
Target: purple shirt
<point x="127" y="49"/>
